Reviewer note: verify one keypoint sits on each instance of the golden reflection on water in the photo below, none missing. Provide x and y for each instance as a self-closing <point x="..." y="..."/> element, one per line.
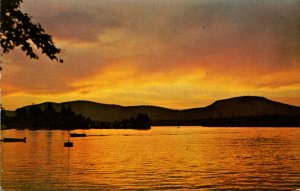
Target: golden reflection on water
<point x="162" y="158"/>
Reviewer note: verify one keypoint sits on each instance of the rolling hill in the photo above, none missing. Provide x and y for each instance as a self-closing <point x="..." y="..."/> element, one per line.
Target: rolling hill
<point x="237" y="111"/>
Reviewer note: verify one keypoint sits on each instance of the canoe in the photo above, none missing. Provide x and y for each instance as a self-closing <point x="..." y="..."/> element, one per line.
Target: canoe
<point x="14" y="139"/>
<point x="77" y="135"/>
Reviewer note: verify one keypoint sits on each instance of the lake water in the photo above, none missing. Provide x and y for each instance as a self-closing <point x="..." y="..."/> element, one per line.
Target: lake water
<point x="163" y="158"/>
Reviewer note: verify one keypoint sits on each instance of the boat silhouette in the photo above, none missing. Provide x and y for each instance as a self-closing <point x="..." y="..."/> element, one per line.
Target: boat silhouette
<point x="68" y="143"/>
<point x="77" y="135"/>
<point x="15" y="140"/>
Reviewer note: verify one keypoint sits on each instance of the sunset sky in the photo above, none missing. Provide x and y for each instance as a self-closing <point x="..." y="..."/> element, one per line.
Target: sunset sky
<point x="170" y="53"/>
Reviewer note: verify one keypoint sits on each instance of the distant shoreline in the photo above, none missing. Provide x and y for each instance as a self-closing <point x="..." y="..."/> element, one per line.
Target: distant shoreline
<point x="250" y="127"/>
<point x="244" y="111"/>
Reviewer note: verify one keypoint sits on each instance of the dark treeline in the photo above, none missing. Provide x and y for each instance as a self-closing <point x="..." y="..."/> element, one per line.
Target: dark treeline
<point x="141" y="121"/>
<point x="62" y="117"/>
<point x="255" y="121"/>
<point x="246" y="121"/>
<point x="35" y="118"/>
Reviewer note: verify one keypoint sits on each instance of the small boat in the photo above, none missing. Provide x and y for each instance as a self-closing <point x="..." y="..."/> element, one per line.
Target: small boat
<point x="15" y="140"/>
<point x="77" y="135"/>
<point x="68" y="144"/>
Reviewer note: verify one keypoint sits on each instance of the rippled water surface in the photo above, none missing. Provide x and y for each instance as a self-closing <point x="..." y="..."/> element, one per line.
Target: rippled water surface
<point x="163" y="158"/>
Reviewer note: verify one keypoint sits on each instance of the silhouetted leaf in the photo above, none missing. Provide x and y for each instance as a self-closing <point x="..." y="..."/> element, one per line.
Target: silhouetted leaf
<point x="17" y="29"/>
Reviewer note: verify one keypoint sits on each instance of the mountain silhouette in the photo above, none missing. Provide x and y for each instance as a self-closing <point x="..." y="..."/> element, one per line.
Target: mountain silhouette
<point x="237" y="111"/>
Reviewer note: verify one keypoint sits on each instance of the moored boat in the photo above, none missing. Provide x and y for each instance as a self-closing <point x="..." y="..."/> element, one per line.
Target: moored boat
<point x="68" y="144"/>
<point x="15" y="140"/>
<point x="77" y="135"/>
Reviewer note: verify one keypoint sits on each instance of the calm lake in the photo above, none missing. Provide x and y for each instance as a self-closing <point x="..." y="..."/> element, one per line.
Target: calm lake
<point x="163" y="158"/>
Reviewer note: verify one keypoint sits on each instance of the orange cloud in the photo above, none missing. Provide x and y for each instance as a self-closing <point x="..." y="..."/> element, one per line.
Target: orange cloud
<point x="170" y="53"/>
